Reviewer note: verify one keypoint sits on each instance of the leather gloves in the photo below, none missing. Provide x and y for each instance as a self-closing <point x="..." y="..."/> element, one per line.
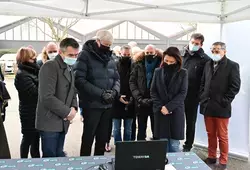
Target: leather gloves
<point x="109" y="96"/>
<point x="145" y="102"/>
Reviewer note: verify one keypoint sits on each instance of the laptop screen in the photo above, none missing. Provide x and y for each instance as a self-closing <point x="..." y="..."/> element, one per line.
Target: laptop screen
<point x="140" y="155"/>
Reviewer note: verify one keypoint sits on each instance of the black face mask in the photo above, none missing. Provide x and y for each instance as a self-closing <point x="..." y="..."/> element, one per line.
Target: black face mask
<point x="124" y="59"/>
<point x="104" y="48"/>
<point x="170" y="67"/>
<point x="150" y="58"/>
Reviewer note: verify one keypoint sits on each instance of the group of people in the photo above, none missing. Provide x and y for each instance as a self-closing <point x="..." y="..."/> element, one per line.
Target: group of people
<point x="131" y="86"/>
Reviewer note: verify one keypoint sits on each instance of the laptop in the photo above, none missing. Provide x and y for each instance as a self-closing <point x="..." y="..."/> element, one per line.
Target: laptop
<point x="140" y="155"/>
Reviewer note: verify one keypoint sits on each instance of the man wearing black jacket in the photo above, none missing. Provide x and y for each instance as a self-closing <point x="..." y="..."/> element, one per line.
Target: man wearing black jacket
<point x="220" y="83"/>
<point x="123" y="106"/>
<point x="140" y="83"/>
<point x="194" y="61"/>
<point x="98" y="84"/>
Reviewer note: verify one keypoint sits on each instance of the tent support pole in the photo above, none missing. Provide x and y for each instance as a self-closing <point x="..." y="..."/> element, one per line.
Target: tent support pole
<point x="222" y="18"/>
<point x="221" y="30"/>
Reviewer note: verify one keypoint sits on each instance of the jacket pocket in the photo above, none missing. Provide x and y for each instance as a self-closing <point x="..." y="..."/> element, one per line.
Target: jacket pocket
<point x="48" y="114"/>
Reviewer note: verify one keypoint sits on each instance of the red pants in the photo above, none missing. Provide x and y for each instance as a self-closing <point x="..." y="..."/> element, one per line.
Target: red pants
<point x="217" y="128"/>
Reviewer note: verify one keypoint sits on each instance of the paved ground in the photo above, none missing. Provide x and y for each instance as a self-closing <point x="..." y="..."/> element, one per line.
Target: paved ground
<point x="73" y="139"/>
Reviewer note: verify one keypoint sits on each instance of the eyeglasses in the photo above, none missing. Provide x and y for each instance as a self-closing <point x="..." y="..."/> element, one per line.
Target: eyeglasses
<point x="216" y="50"/>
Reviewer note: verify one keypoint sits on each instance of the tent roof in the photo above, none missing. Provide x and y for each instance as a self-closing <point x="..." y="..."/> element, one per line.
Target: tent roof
<point x="212" y="11"/>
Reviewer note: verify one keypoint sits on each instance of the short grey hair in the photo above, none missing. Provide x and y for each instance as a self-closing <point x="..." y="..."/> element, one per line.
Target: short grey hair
<point x="150" y="45"/>
<point x="222" y="44"/>
<point x="126" y="47"/>
<point x="104" y="35"/>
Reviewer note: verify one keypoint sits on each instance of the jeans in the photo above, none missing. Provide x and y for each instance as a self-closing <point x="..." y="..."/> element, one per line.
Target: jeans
<point x="30" y="143"/>
<point x="53" y="144"/>
<point x="173" y="145"/>
<point x="127" y="129"/>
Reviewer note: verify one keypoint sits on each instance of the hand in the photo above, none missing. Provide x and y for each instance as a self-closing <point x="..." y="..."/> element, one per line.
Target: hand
<point x="145" y="102"/>
<point x="122" y="99"/>
<point x="72" y="114"/>
<point x="113" y="92"/>
<point x="164" y="110"/>
<point x="81" y="118"/>
<point x="107" y="97"/>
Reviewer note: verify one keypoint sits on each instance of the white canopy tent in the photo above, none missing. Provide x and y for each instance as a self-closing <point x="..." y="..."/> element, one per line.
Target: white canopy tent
<point x="203" y="11"/>
<point x="210" y="11"/>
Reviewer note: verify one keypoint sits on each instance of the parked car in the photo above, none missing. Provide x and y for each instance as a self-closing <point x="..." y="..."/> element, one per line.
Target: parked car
<point x="9" y="62"/>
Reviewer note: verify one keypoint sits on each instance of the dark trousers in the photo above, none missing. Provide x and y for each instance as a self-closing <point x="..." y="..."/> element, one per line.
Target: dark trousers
<point x="4" y="146"/>
<point x="30" y="143"/>
<point x="133" y="134"/>
<point x="142" y="125"/>
<point x="110" y="128"/>
<point x="96" y="125"/>
<point x="53" y="144"/>
<point x="191" y="116"/>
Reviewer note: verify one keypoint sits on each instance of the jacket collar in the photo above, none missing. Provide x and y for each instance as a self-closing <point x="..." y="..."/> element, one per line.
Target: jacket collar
<point x="60" y="61"/>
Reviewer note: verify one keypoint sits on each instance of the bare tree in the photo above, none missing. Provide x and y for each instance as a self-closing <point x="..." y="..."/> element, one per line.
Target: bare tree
<point x="59" y="27"/>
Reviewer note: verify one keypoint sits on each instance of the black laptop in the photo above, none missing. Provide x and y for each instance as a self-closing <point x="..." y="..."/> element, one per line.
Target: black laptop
<point x="141" y="155"/>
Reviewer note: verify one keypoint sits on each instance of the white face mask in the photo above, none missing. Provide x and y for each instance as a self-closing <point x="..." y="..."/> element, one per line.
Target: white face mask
<point x="193" y="48"/>
<point x="215" y="57"/>
<point x="52" y="55"/>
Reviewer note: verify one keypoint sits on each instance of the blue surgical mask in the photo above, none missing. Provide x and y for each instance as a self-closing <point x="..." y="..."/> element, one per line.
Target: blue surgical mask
<point x="69" y="61"/>
<point x="215" y="57"/>
<point x="193" y="48"/>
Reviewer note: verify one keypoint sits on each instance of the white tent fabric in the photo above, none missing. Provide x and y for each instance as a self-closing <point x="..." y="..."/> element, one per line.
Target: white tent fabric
<point x="210" y="11"/>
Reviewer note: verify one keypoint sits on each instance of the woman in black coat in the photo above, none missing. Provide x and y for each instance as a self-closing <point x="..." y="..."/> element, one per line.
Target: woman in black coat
<point x="26" y="83"/>
<point x="168" y="92"/>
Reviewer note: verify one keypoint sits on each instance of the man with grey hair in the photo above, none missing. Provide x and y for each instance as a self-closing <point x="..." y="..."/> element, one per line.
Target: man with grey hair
<point x="219" y="85"/>
<point x="98" y="84"/>
<point x="140" y="83"/>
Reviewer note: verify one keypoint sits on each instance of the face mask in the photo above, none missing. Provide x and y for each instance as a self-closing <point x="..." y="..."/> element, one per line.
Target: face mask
<point x="193" y="47"/>
<point x="104" y="48"/>
<point x="125" y="59"/>
<point x="215" y="57"/>
<point x="169" y="67"/>
<point x="52" y="55"/>
<point x="69" y="61"/>
<point x="150" y="57"/>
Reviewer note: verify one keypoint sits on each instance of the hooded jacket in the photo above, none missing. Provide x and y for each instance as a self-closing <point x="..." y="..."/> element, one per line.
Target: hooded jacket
<point x="95" y="72"/>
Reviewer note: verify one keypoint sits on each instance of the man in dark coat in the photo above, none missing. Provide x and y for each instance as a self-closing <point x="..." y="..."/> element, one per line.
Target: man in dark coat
<point x="123" y="106"/>
<point x="220" y="83"/>
<point x="57" y="102"/>
<point x="97" y="81"/>
<point x="140" y="82"/>
<point x="194" y="60"/>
